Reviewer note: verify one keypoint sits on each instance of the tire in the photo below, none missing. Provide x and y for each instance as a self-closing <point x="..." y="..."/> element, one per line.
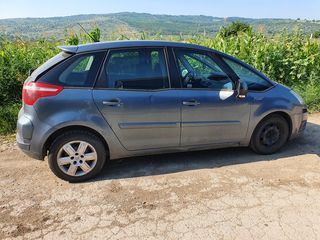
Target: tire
<point x="270" y="135"/>
<point x="77" y="156"/>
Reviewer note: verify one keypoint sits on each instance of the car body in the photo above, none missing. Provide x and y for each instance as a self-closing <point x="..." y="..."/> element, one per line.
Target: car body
<point x="150" y="97"/>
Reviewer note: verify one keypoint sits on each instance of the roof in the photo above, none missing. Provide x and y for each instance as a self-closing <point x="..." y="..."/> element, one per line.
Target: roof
<point x="122" y="44"/>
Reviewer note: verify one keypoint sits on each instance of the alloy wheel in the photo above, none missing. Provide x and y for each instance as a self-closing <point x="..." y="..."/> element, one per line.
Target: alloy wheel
<point x="77" y="158"/>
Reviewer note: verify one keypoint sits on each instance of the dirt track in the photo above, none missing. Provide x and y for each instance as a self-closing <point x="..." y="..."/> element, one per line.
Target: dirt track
<point x="220" y="194"/>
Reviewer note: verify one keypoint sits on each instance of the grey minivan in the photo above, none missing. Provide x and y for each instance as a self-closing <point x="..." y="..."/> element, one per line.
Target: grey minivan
<point x="96" y="102"/>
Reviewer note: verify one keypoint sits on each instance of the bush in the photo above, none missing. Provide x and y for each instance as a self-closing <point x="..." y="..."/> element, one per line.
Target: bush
<point x="16" y="59"/>
<point x="316" y="34"/>
<point x="8" y="118"/>
<point x="72" y="39"/>
<point x="292" y="59"/>
<point x="310" y="92"/>
<point x="95" y="35"/>
<point x="235" y="28"/>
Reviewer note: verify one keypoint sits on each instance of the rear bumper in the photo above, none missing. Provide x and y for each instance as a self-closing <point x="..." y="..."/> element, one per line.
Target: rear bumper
<point x="25" y="147"/>
<point x="25" y="136"/>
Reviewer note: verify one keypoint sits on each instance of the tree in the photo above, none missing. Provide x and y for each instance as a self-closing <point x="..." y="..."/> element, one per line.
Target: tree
<point x="316" y="34"/>
<point x="235" y="28"/>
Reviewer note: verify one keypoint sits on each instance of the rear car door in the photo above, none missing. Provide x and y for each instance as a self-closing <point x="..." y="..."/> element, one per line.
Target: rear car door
<point x="133" y="94"/>
<point x="211" y="112"/>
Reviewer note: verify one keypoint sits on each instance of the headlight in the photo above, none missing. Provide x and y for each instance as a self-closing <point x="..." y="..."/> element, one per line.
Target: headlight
<point x="299" y="98"/>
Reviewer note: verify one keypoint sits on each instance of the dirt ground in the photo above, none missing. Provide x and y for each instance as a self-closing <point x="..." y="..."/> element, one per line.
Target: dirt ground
<point x="217" y="194"/>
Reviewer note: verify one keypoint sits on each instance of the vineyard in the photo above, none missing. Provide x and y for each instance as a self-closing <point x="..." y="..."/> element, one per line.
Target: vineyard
<point x="289" y="58"/>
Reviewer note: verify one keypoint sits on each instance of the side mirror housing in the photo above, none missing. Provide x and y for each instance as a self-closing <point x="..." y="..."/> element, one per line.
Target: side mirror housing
<point x="242" y="89"/>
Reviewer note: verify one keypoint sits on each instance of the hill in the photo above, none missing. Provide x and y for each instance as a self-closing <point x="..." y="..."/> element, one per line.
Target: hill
<point x="131" y="23"/>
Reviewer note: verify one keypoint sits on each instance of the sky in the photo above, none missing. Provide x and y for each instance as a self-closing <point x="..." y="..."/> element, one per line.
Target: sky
<point x="309" y="9"/>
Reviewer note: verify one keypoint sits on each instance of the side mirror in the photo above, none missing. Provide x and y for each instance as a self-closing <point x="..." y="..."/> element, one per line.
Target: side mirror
<point x="218" y="76"/>
<point x="242" y="89"/>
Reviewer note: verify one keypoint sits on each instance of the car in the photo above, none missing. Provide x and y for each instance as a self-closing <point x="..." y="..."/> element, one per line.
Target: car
<point x="96" y="102"/>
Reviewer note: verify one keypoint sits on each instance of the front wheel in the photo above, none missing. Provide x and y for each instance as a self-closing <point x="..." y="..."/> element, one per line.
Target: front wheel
<point x="77" y="156"/>
<point x="270" y="135"/>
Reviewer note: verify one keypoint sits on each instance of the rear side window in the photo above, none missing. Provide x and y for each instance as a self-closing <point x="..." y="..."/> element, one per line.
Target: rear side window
<point x="78" y="71"/>
<point x="143" y="68"/>
<point x="50" y="63"/>
<point x="253" y="80"/>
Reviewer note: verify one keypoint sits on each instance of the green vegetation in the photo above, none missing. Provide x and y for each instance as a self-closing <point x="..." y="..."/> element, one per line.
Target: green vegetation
<point x="73" y="39"/>
<point x="129" y="23"/>
<point x="8" y="118"/>
<point x="316" y="34"/>
<point x="235" y="28"/>
<point x="290" y="58"/>
<point x="95" y="35"/>
<point x="16" y="59"/>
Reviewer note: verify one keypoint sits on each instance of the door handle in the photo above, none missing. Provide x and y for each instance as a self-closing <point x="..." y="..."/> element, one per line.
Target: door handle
<point x="114" y="102"/>
<point x="191" y="103"/>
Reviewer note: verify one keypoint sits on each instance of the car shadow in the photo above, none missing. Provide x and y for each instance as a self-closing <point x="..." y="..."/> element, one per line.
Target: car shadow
<point x="185" y="161"/>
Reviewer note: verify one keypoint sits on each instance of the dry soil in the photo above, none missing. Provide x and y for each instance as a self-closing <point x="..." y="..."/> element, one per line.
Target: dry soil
<point x="217" y="194"/>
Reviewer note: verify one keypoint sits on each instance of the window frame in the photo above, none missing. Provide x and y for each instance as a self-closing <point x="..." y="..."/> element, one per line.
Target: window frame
<point x="223" y="56"/>
<point x="70" y="58"/>
<point x="221" y="64"/>
<point x="105" y="61"/>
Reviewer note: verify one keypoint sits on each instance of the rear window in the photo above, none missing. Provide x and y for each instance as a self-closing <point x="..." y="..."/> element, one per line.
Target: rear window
<point x="78" y="71"/>
<point x="50" y="63"/>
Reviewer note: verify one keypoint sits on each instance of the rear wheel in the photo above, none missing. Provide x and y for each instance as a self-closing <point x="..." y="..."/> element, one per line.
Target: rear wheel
<point x="270" y="135"/>
<point x="77" y="156"/>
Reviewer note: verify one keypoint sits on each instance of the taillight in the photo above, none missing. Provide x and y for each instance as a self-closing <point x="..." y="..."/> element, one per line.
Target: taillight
<point x="32" y="91"/>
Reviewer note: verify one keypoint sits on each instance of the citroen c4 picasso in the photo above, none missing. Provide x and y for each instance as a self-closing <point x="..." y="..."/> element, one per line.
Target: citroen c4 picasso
<point x="96" y="102"/>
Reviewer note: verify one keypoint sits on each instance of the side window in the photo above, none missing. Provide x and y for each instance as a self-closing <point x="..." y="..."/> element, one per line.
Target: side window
<point x="143" y="69"/>
<point x="199" y="70"/>
<point x="253" y="80"/>
<point x="78" y="71"/>
<point x="83" y="64"/>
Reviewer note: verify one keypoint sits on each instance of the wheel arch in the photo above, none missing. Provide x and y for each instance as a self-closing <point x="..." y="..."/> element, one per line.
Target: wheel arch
<point x="283" y="114"/>
<point x="56" y="133"/>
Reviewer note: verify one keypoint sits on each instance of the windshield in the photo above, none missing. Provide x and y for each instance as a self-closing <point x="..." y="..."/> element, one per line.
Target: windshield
<point x="252" y="79"/>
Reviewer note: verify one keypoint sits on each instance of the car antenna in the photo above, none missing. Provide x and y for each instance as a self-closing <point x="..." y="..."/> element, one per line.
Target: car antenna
<point x="86" y="32"/>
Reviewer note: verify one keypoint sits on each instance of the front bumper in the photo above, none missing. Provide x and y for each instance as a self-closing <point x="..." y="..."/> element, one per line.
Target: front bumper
<point x="301" y="124"/>
<point x="304" y="120"/>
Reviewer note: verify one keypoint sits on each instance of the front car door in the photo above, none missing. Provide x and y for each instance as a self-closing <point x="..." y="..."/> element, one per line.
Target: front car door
<point x="133" y="94"/>
<point x="211" y="112"/>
